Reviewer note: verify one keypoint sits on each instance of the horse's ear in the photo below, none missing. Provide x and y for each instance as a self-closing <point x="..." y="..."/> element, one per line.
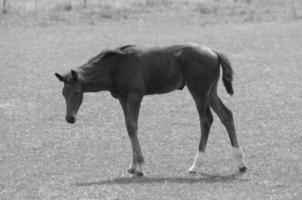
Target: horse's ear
<point x="60" y="77"/>
<point x="75" y="75"/>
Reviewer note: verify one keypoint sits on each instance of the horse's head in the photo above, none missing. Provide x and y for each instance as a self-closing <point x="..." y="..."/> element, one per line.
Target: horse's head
<point x="73" y="94"/>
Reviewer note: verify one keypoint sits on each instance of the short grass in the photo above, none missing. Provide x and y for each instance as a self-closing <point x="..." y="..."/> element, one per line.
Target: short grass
<point x="43" y="157"/>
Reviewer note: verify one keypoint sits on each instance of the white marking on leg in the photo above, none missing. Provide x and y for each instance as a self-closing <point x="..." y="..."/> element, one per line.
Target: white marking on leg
<point x="132" y="167"/>
<point x="239" y="157"/>
<point x="199" y="158"/>
<point x="140" y="167"/>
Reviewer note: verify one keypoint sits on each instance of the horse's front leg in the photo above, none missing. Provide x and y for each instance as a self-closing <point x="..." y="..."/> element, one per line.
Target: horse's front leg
<point x="131" y="105"/>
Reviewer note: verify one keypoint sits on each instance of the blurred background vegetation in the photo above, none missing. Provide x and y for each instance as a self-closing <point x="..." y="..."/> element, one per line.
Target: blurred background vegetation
<point x="208" y="10"/>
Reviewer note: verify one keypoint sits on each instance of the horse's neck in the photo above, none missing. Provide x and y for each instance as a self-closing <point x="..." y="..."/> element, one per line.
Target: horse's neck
<point x="95" y="79"/>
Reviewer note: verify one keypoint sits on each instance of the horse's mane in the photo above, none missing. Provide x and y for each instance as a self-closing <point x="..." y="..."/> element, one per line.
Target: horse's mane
<point x="125" y="47"/>
<point x="106" y="53"/>
<point x="98" y="57"/>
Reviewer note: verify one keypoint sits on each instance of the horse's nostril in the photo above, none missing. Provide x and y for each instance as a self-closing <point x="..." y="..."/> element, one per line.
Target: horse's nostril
<point x="70" y="119"/>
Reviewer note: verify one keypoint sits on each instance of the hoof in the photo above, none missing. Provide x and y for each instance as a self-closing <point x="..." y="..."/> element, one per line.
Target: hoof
<point x="191" y="172"/>
<point x="139" y="174"/>
<point x="131" y="170"/>
<point x="243" y="169"/>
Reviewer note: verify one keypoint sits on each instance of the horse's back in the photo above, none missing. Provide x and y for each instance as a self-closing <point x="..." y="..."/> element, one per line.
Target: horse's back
<point x="164" y="69"/>
<point x="157" y="54"/>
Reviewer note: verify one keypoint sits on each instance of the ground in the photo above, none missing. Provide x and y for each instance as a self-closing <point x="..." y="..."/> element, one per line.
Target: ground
<point x="43" y="157"/>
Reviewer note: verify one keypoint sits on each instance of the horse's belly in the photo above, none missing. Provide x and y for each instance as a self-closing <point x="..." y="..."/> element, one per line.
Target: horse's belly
<point x="163" y="80"/>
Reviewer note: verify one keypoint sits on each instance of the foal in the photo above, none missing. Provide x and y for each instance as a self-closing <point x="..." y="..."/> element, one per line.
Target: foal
<point x="131" y="72"/>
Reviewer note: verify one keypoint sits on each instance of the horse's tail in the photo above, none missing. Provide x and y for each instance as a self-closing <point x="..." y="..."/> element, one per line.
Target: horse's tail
<point x="227" y="72"/>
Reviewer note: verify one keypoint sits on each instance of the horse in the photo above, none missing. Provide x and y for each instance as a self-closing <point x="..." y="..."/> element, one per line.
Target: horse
<point x="130" y="72"/>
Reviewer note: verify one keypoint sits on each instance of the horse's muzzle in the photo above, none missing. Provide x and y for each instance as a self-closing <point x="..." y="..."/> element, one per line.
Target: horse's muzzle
<point x="70" y="119"/>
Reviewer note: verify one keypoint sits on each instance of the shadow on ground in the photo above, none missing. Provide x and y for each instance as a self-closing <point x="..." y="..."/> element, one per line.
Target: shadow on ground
<point x="202" y="178"/>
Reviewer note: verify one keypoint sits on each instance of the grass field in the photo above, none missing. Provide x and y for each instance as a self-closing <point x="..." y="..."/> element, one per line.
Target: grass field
<point x="43" y="157"/>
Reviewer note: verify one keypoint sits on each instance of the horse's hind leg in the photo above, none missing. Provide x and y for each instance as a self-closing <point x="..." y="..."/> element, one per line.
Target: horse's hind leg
<point x="206" y="120"/>
<point x="226" y="117"/>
